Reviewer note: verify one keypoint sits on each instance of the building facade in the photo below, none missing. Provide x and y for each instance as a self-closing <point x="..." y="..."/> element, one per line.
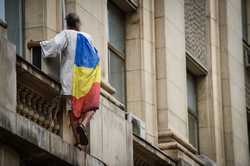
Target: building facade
<point x="175" y="83"/>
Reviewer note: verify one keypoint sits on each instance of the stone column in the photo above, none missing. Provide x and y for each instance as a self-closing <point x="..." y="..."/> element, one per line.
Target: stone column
<point x="233" y="85"/>
<point x="140" y="67"/>
<point x="171" y="68"/>
<point x="42" y="22"/>
<point x="209" y="92"/>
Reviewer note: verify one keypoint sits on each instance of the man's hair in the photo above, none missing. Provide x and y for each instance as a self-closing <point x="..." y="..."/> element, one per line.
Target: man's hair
<point x="72" y="19"/>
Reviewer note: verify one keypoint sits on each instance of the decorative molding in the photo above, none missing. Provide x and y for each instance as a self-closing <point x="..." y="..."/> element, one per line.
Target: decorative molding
<point x="170" y="136"/>
<point x="194" y="66"/>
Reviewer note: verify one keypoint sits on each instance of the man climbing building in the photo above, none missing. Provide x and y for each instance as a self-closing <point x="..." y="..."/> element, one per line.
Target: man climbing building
<point x="79" y="74"/>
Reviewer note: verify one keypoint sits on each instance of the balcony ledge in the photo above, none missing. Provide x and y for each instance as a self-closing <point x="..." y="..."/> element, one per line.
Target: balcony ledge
<point x="19" y="132"/>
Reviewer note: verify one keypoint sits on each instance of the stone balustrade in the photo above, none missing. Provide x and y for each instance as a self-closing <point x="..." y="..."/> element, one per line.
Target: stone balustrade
<point x="36" y="108"/>
<point x="39" y="101"/>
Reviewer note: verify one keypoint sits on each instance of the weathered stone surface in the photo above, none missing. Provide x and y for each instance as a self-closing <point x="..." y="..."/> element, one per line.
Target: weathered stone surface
<point x="8" y="75"/>
<point x="110" y="135"/>
<point x="40" y="140"/>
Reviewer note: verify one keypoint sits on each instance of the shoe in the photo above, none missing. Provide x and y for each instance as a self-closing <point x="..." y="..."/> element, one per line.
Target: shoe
<point x="83" y="136"/>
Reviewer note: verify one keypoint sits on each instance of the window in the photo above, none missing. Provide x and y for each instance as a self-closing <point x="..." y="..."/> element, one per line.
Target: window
<point x="13" y="16"/>
<point x="244" y="19"/>
<point x="2" y="11"/>
<point x="192" y="110"/>
<point x="116" y="49"/>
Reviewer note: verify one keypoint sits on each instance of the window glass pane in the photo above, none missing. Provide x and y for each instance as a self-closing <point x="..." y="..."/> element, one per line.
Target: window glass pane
<point x="116" y="27"/>
<point x="193" y="130"/>
<point x="117" y="77"/>
<point x="191" y="92"/>
<point x="13" y="15"/>
<point x="244" y="19"/>
<point x="2" y="11"/>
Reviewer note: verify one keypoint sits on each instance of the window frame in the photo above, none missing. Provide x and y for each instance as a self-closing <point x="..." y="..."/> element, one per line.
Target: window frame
<point x="195" y="116"/>
<point x="121" y="55"/>
<point x="21" y="14"/>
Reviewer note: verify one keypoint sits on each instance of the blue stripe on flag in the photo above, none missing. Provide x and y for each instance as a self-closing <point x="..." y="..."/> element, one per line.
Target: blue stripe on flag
<point x="85" y="55"/>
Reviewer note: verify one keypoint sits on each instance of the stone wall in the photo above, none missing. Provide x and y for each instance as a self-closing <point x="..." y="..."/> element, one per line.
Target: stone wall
<point x="8" y="75"/>
<point x="233" y="84"/>
<point x="111" y="135"/>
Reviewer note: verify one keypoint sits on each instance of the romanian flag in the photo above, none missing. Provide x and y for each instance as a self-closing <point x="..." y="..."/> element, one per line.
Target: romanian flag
<point x="86" y="77"/>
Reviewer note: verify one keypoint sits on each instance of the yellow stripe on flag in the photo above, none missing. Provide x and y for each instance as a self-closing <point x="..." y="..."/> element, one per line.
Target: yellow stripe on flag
<point x="83" y="79"/>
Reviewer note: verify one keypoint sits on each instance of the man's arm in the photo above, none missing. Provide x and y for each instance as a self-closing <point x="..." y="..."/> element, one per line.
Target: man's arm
<point x="32" y="44"/>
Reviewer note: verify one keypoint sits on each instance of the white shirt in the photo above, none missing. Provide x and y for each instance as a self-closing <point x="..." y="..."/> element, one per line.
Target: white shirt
<point x="63" y="44"/>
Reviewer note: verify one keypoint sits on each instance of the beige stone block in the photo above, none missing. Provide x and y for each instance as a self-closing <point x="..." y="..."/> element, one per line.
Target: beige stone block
<point x="34" y="12"/>
<point x="177" y="100"/>
<point x="239" y="125"/>
<point x="238" y="98"/>
<point x="202" y="88"/>
<point x="234" y="16"/>
<point x="52" y="13"/>
<point x="226" y="93"/>
<point x="175" y="13"/>
<point x="96" y="136"/>
<point x="175" y="41"/>
<point x="206" y="144"/>
<point x="235" y="47"/>
<point x="148" y="84"/>
<point x="148" y="26"/>
<point x="160" y="33"/>
<point x="96" y="8"/>
<point x="161" y="63"/>
<point x="204" y="114"/>
<point x="70" y="6"/>
<point x="132" y="29"/>
<point x="176" y="71"/>
<point x="114" y="154"/>
<point x="150" y="118"/>
<point x="163" y="122"/>
<point x="177" y="125"/>
<point x="241" y="152"/>
<point x="148" y="5"/>
<point x="213" y="31"/>
<point x="159" y="8"/>
<point x="148" y="57"/>
<point x="35" y="33"/>
<point x="136" y="109"/>
<point x="133" y="55"/>
<point x="134" y="86"/>
<point x="162" y="102"/>
<point x="236" y="71"/>
<point x="50" y="33"/>
<point x="90" y="24"/>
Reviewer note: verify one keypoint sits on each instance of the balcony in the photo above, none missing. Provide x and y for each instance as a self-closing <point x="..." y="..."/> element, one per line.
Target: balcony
<point x="38" y="97"/>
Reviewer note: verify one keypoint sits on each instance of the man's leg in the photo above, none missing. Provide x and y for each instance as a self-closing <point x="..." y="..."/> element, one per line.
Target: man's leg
<point x="74" y="124"/>
<point x="86" y="117"/>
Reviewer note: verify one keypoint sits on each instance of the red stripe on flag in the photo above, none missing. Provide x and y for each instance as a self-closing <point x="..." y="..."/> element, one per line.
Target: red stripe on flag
<point x="88" y="102"/>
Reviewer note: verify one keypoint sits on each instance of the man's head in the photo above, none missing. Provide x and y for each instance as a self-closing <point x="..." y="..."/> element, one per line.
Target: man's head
<point x="73" y="21"/>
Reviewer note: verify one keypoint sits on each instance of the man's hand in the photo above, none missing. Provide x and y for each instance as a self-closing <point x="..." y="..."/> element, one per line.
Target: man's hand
<point x="32" y="44"/>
